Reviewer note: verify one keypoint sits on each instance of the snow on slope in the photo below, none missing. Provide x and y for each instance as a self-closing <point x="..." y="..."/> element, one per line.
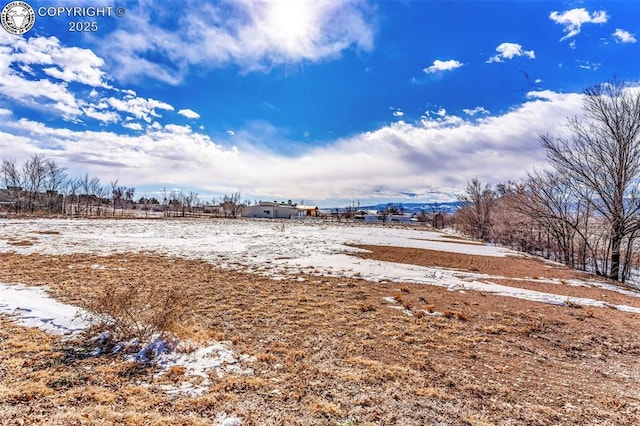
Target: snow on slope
<point x="273" y="248"/>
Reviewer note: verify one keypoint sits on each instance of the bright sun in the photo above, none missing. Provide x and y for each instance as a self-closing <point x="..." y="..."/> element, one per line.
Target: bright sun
<point x="291" y="20"/>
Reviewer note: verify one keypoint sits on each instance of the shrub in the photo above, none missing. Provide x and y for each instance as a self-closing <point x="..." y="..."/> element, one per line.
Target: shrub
<point x="136" y="311"/>
<point x="454" y="314"/>
<point x="367" y="308"/>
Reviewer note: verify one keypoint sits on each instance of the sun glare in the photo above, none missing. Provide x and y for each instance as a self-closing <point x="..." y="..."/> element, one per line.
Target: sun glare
<point x="290" y="20"/>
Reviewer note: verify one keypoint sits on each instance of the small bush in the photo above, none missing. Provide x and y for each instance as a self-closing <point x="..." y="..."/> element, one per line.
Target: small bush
<point x="573" y="304"/>
<point x="454" y="314"/>
<point x="136" y="311"/>
<point x="68" y="381"/>
<point x="367" y="308"/>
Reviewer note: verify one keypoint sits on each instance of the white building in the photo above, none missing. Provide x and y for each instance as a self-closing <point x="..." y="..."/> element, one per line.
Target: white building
<point x="277" y="210"/>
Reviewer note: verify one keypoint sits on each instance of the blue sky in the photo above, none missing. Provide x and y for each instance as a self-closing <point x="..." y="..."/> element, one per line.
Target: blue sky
<point x="324" y="102"/>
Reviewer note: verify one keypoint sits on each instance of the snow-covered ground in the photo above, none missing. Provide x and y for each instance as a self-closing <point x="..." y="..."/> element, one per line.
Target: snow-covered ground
<point x="32" y="307"/>
<point x="250" y="241"/>
<point x="274" y="248"/>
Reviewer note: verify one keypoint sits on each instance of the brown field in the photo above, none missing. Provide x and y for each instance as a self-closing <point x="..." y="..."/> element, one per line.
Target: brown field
<point x="332" y="351"/>
<point x="520" y="272"/>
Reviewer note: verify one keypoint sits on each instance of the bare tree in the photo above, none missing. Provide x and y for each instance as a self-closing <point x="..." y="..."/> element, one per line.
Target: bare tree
<point x="475" y="213"/>
<point x="231" y="205"/>
<point x="116" y="195"/>
<point x="511" y="224"/>
<point x="176" y="201"/>
<point x="603" y="156"/>
<point x="92" y="193"/>
<point x="72" y="201"/>
<point x="12" y="180"/>
<point x="129" y="194"/>
<point x="553" y="202"/>
<point x="55" y="179"/>
<point x="349" y="211"/>
<point x="99" y="195"/>
<point x="190" y="201"/>
<point x="165" y="202"/>
<point x="84" y="185"/>
<point x="34" y="173"/>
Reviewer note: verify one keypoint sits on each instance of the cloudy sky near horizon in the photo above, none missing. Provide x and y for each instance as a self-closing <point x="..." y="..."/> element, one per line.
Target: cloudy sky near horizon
<point x="317" y="101"/>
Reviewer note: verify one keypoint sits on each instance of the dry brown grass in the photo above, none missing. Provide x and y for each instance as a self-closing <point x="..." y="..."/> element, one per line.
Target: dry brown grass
<point x="511" y="267"/>
<point x="328" y="351"/>
<point x="21" y="243"/>
<point x="516" y="272"/>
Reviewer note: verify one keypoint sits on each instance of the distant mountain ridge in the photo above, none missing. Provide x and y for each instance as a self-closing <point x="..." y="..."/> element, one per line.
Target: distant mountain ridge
<point x="446" y="207"/>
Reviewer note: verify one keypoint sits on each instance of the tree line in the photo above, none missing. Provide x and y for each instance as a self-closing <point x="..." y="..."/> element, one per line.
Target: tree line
<point x="585" y="209"/>
<point x="41" y="186"/>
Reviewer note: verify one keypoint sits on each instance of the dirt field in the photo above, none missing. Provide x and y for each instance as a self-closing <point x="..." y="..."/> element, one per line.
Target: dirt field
<point x="332" y="351"/>
<point x="521" y="272"/>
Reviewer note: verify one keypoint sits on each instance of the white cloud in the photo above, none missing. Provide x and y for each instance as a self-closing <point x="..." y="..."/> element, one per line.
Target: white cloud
<point x="63" y="66"/>
<point x="69" y="64"/>
<point x="128" y="92"/>
<point x="189" y="113"/>
<point x="132" y="126"/>
<point x="572" y="20"/>
<point x="398" y="113"/>
<point x="103" y="116"/>
<point x="444" y="151"/>
<point x="140" y="108"/>
<point x="623" y="36"/>
<point x="475" y="111"/>
<point x="586" y="65"/>
<point x="439" y="66"/>
<point x="253" y="35"/>
<point x="37" y="94"/>
<point x="509" y="51"/>
<point x="230" y="132"/>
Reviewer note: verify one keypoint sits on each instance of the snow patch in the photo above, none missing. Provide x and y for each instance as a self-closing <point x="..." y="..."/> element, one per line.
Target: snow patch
<point x="222" y="420"/>
<point x="197" y="362"/>
<point x="33" y="307"/>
